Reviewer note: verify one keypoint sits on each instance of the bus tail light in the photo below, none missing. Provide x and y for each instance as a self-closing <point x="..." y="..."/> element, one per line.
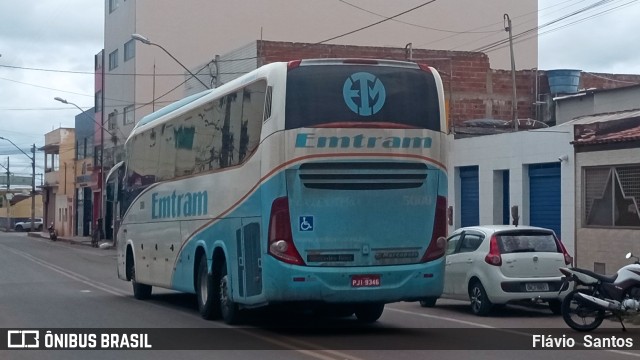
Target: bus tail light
<point x="438" y="243"/>
<point x="493" y="257"/>
<point x="280" y="243"/>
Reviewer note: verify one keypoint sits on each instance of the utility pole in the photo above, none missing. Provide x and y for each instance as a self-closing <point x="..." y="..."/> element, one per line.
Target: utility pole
<point x="33" y="188"/>
<point x="8" y="196"/>
<point x="514" y="101"/>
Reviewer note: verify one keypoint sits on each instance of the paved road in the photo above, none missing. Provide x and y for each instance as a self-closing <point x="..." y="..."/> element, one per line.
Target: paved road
<point x="46" y="284"/>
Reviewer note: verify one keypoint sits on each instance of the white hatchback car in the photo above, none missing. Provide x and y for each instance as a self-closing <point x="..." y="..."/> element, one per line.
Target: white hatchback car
<point x="498" y="264"/>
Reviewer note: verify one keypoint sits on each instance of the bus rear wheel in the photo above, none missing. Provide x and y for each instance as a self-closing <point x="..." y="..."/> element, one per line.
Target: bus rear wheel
<point x="228" y="309"/>
<point x="208" y="302"/>
<point x="369" y="313"/>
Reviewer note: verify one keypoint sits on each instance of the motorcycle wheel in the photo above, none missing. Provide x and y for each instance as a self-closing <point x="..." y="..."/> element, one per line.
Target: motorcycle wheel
<point x="579" y="315"/>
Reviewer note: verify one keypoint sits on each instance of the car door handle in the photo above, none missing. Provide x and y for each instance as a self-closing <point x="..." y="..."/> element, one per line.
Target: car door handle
<point x="448" y="263"/>
<point x="469" y="261"/>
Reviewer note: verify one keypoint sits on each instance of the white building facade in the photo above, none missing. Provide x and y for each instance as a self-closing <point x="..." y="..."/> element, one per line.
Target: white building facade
<point x="531" y="170"/>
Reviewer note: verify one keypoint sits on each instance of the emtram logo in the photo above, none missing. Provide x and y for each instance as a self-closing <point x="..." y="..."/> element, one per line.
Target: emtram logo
<point x="368" y="89"/>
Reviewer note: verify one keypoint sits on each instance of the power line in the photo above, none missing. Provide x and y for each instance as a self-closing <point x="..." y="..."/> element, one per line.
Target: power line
<point x="376" y="23"/>
<point x="493" y="24"/>
<point x="495" y="44"/>
<point x="416" y="25"/>
<point x="526" y="35"/>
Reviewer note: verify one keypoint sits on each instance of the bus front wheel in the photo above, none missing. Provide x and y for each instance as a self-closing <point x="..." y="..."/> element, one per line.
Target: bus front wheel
<point x="208" y="302"/>
<point x="369" y="313"/>
<point x="140" y="291"/>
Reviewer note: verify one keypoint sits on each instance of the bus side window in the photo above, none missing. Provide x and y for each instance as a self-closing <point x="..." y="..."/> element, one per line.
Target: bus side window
<point x="252" y="114"/>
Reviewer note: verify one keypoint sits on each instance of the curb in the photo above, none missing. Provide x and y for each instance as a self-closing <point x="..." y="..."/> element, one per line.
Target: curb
<point x="101" y="245"/>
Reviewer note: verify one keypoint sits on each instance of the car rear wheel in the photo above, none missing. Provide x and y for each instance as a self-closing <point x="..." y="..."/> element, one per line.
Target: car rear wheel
<point x="19" y="228"/>
<point x="428" y="302"/>
<point x="480" y="304"/>
<point x="555" y="306"/>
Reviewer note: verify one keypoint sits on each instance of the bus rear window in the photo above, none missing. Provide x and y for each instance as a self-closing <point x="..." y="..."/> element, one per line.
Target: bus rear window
<point x="361" y="95"/>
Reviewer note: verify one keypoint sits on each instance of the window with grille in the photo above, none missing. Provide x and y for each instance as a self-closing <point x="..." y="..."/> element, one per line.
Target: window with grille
<point x="111" y="121"/>
<point x="128" y="115"/>
<point x="113" y="59"/>
<point x="129" y="50"/>
<point x="113" y="5"/>
<point x="611" y="196"/>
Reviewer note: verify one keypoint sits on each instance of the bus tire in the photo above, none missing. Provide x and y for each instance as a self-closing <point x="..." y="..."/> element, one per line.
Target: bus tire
<point x="208" y="301"/>
<point x="140" y="291"/>
<point x="228" y="309"/>
<point x="369" y="313"/>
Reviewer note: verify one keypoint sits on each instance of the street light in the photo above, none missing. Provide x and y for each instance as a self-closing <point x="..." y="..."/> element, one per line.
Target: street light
<point x="64" y="101"/>
<point x="33" y="179"/>
<point x="146" y="41"/>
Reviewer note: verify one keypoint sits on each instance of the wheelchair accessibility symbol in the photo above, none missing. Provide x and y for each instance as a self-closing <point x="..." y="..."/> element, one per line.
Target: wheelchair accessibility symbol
<point x="306" y="223"/>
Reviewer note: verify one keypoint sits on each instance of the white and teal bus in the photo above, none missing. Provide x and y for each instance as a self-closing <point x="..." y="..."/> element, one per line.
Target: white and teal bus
<point x="313" y="182"/>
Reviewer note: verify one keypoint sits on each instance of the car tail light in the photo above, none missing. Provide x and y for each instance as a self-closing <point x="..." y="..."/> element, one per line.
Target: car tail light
<point x="293" y="64"/>
<point x="493" y="257"/>
<point x="567" y="258"/>
<point x="424" y="67"/>
<point x="438" y="243"/>
<point x="280" y="240"/>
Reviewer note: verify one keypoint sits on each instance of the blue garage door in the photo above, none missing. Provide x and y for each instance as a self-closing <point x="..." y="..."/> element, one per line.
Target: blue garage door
<point x="544" y="196"/>
<point x="469" y="196"/>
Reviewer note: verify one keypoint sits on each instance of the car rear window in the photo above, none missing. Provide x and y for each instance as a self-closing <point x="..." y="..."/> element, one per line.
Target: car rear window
<point x="527" y="242"/>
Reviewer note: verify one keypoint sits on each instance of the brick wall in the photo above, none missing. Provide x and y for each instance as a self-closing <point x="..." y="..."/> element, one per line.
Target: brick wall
<point x="472" y="89"/>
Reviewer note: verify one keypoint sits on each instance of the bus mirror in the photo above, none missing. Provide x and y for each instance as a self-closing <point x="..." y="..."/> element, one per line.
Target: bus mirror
<point x="450" y="215"/>
<point x="514" y="214"/>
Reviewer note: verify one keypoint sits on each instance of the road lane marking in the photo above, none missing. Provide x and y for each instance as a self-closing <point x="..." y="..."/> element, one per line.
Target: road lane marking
<point x="287" y="343"/>
<point x="70" y="274"/>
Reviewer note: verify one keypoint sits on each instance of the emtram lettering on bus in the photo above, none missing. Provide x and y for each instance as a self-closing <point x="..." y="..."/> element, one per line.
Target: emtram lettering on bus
<point x="310" y="140"/>
<point x="179" y="205"/>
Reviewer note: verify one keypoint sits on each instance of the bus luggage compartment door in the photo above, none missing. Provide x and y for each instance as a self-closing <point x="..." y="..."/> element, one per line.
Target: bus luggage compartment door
<point x="362" y="213"/>
<point x="250" y="261"/>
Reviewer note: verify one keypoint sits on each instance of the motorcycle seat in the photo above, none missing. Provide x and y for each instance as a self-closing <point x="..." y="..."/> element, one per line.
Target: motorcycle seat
<point x="602" y="278"/>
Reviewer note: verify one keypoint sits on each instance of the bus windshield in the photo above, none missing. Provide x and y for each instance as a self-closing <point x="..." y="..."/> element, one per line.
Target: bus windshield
<point x="361" y="96"/>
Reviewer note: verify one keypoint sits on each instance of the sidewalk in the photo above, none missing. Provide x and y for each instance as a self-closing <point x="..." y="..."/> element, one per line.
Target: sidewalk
<point x="75" y="240"/>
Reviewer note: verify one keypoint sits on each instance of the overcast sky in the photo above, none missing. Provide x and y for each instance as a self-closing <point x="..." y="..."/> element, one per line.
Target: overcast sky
<point x="61" y="37"/>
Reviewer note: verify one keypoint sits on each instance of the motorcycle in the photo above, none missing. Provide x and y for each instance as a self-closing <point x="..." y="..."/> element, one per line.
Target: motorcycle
<point x="53" y="233"/>
<point x="596" y="297"/>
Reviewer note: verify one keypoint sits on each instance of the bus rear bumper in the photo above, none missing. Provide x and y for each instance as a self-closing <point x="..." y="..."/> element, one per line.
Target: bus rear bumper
<point x="413" y="282"/>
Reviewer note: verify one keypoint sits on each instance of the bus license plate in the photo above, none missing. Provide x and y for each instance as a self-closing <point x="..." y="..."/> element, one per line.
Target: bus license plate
<point x="537" y="286"/>
<point x="365" y="280"/>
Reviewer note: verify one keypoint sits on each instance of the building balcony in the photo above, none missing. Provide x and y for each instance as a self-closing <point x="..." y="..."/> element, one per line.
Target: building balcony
<point x="51" y="177"/>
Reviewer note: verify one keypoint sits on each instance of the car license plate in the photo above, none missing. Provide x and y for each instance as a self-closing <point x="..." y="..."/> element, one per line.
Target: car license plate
<point x="365" y="280"/>
<point x="537" y="286"/>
